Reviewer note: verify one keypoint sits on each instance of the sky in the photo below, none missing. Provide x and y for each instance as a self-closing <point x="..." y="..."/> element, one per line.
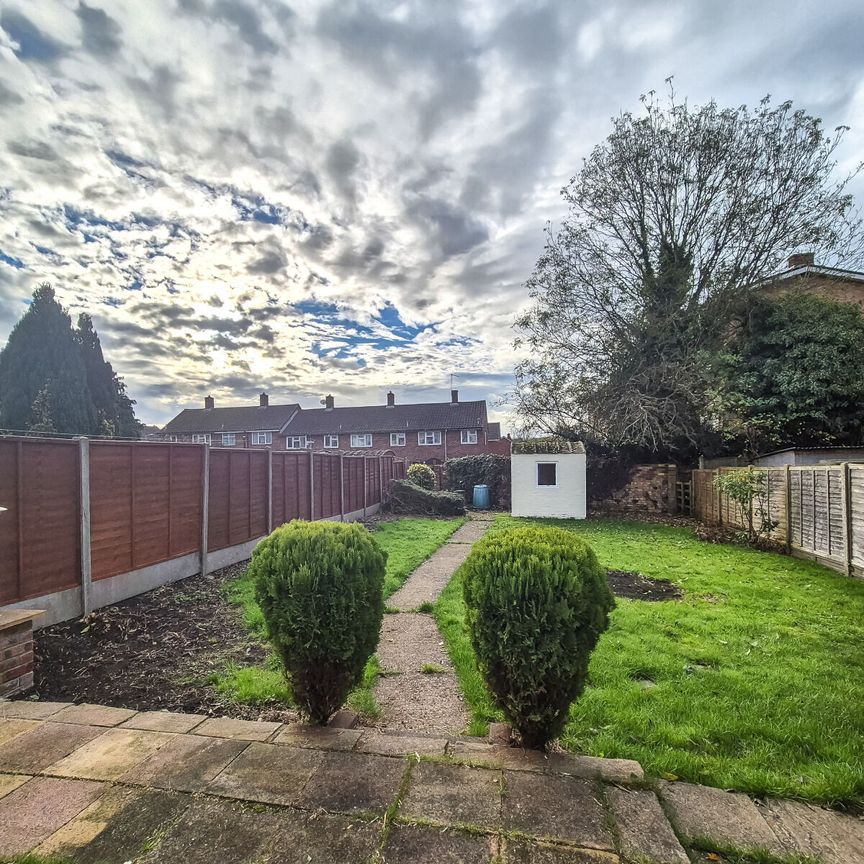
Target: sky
<point x="347" y="197"/>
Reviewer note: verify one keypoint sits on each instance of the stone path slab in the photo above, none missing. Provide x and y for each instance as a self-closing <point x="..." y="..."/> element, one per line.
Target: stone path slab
<point x="729" y="818"/>
<point x="197" y="798"/>
<point x="431" y="577"/>
<point x="35" y="750"/>
<point x="644" y="832"/>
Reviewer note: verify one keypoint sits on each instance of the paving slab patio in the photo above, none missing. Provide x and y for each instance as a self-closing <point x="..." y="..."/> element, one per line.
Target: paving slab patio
<point x="152" y="796"/>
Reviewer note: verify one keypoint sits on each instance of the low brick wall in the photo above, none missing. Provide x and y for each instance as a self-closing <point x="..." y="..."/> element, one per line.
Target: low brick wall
<point x="649" y="489"/>
<point x="16" y="651"/>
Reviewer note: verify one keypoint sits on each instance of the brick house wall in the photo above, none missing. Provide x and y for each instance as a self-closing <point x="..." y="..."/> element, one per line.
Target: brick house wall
<point x="415" y="452"/>
<point x="243" y="441"/>
<point x="828" y="287"/>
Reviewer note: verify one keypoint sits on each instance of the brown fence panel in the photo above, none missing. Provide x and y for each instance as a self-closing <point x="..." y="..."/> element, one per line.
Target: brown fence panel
<point x="353" y="483"/>
<point x="856" y="514"/>
<point x="327" y="498"/>
<point x="111" y="509"/>
<point x="373" y="480"/>
<point x="290" y="486"/>
<point x="187" y="488"/>
<point x="40" y="542"/>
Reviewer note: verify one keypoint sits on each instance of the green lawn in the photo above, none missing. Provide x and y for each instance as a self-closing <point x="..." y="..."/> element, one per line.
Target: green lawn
<point x="756" y="677"/>
<point x="408" y="543"/>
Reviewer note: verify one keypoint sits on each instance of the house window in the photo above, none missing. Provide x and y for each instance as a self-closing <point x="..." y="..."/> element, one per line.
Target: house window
<point x="331" y="442"/>
<point x="229" y="439"/>
<point x="397" y="439"/>
<point x="262" y="437"/>
<point x="429" y="438"/>
<point x="469" y="436"/>
<point x="547" y="473"/>
<point x="295" y="442"/>
<point x="198" y="438"/>
<point x="364" y="440"/>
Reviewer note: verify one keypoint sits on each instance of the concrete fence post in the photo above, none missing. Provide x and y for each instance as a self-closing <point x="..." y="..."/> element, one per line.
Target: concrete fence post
<point x="788" y="510"/>
<point x="205" y="508"/>
<point x="365" y="484"/>
<point x="269" y="491"/>
<point x="311" y="486"/>
<point x="86" y="557"/>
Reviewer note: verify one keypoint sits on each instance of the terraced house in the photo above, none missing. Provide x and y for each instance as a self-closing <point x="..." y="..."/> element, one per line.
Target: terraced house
<point x="421" y="432"/>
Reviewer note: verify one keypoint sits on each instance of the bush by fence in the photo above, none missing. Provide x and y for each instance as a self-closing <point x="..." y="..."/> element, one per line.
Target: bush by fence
<point x="485" y="469"/>
<point x="409" y="498"/>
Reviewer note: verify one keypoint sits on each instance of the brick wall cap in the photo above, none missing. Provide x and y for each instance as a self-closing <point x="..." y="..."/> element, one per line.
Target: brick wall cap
<point x="13" y="617"/>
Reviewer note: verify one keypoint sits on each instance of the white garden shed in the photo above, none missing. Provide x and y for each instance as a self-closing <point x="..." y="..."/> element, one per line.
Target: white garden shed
<point x="548" y="478"/>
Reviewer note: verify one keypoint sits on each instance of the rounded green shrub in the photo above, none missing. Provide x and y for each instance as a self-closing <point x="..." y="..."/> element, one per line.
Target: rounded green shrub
<point x="320" y="589"/>
<point x="537" y="602"/>
<point x="422" y="475"/>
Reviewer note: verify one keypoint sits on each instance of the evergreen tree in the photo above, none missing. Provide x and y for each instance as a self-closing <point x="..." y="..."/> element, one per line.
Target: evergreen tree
<point x="43" y="382"/>
<point x="115" y="413"/>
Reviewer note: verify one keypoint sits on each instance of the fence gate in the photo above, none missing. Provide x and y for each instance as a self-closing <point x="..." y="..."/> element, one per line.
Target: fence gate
<point x="683" y="497"/>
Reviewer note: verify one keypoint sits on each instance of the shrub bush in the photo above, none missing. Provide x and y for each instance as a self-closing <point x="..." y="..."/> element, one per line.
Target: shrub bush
<point x="537" y="603"/>
<point x="488" y="469"/>
<point x="407" y="497"/>
<point x="422" y="475"/>
<point x="320" y="589"/>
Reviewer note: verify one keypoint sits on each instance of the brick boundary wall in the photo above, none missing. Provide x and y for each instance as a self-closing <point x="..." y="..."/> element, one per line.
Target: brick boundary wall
<point x="16" y="652"/>
<point x="649" y="489"/>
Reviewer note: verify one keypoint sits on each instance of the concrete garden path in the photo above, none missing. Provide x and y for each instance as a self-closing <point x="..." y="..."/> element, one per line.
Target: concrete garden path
<point x="411" y="698"/>
<point x="98" y="785"/>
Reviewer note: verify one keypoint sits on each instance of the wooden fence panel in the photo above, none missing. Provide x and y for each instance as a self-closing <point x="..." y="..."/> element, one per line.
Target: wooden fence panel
<point x="42" y="497"/>
<point x="187" y="489"/>
<point x="856" y="512"/>
<point x="353" y="483"/>
<point x="290" y="486"/>
<point x="110" y="509"/>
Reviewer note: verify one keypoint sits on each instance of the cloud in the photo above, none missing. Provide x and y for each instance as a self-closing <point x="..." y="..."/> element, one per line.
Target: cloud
<point x="347" y="195"/>
<point x="100" y="33"/>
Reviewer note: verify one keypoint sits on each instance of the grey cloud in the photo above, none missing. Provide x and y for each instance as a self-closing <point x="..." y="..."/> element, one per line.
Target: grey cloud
<point x="160" y="88"/>
<point x="9" y="97"/>
<point x="31" y="149"/>
<point x="533" y="37"/>
<point x="342" y="162"/>
<point x="269" y="263"/>
<point x="247" y="23"/>
<point x="100" y="32"/>
<point x="454" y="230"/>
<point x="386" y="48"/>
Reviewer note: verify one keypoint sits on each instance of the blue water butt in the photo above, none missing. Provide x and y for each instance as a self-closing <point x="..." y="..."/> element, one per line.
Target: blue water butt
<point x="481" y="497"/>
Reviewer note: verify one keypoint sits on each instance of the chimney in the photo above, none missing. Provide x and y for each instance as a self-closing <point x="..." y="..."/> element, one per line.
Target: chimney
<point x="208" y="402"/>
<point x="391" y="399"/>
<point x="328" y="402"/>
<point x="263" y="401"/>
<point x="802" y="259"/>
<point x="454" y="397"/>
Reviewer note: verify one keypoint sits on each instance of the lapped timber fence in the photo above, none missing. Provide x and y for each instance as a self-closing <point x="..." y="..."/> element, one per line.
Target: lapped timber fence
<point x="85" y="522"/>
<point x="817" y="511"/>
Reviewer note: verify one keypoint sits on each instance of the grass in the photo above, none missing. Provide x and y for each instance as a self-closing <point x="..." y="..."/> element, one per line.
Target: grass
<point x="757" y="674"/>
<point x="408" y="543"/>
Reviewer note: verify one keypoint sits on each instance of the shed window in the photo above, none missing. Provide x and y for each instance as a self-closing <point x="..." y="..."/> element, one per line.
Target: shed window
<point x="547" y="473"/>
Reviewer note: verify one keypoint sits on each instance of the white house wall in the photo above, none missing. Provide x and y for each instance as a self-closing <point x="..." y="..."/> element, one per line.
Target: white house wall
<point x="567" y="500"/>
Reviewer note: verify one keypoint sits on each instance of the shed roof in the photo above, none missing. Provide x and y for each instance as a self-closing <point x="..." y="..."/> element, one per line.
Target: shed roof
<point x="550" y="445"/>
<point x="242" y="418"/>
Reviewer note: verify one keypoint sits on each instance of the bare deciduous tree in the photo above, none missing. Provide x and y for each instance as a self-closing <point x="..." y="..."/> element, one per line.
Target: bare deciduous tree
<point x="672" y="220"/>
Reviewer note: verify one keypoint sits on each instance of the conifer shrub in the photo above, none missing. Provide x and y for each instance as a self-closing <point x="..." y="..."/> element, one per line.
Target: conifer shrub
<point x="537" y="603"/>
<point x="320" y="589"/>
<point x="409" y="498"/>
<point x="422" y="475"/>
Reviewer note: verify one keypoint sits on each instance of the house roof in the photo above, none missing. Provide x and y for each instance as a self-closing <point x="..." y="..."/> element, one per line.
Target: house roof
<point x="243" y="418"/>
<point x="395" y="418"/>
<point x="494" y="431"/>
<point x="817" y="270"/>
